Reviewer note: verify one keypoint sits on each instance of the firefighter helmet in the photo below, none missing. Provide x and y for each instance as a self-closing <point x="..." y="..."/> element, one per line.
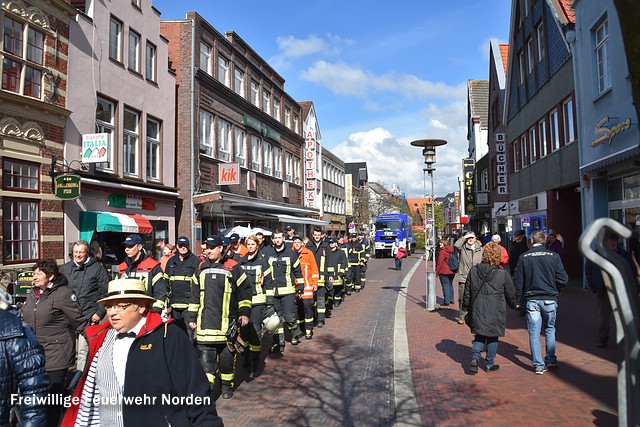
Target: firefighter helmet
<point x="270" y="321"/>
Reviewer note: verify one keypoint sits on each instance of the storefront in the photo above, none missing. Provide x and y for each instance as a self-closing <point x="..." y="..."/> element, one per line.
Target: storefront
<point x="528" y="214"/>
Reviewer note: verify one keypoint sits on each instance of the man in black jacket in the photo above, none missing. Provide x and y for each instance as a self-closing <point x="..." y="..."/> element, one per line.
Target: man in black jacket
<point x="320" y="250"/>
<point x="179" y="273"/>
<point x="88" y="279"/>
<point x="517" y="248"/>
<point x="539" y="275"/>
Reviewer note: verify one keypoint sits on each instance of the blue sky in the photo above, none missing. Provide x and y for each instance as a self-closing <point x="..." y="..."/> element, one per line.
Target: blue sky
<point x="380" y="75"/>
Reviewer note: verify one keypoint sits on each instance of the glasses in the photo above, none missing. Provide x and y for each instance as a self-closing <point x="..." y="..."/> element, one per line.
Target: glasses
<point x="182" y="245"/>
<point x="118" y="307"/>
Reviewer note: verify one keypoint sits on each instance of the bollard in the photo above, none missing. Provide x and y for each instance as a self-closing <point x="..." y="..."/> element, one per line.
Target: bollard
<point x="431" y="291"/>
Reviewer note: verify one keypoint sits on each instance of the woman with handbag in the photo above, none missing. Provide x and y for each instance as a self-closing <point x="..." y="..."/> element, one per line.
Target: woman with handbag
<point x="488" y="291"/>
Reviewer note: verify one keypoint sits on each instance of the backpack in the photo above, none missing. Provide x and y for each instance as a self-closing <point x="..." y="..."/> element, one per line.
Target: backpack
<point x="454" y="261"/>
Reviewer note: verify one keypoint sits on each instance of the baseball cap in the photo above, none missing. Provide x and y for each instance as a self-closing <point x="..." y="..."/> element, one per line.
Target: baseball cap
<point x="213" y="241"/>
<point x="289" y="228"/>
<point x="332" y="240"/>
<point x="518" y="233"/>
<point x="225" y="241"/>
<point x="234" y="238"/>
<point x="296" y="237"/>
<point x="133" y="239"/>
<point x="469" y="234"/>
<point x="182" y="240"/>
<point x="353" y="234"/>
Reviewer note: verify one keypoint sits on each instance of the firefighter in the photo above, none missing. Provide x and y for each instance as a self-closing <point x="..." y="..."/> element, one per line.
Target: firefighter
<point x="254" y="265"/>
<point x="236" y="245"/>
<point x="281" y="283"/>
<point x="140" y="265"/>
<point x="179" y="273"/>
<point x="310" y="275"/>
<point x="355" y="253"/>
<point x="336" y="269"/>
<point x="220" y="302"/>
<point x="320" y="249"/>
<point x="365" y="258"/>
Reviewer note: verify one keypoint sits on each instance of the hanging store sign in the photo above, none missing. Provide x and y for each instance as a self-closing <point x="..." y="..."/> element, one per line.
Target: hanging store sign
<point x="311" y="151"/>
<point x="67" y="186"/>
<point x="95" y="147"/>
<point x="131" y="201"/>
<point x="501" y="163"/>
<point x="468" y="172"/>
<point x="348" y="194"/>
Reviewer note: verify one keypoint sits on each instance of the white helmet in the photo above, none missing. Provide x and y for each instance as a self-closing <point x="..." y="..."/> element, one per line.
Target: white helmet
<point x="271" y="320"/>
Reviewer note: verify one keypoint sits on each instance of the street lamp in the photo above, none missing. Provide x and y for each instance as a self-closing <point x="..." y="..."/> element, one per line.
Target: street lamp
<point x="429" y="152"/>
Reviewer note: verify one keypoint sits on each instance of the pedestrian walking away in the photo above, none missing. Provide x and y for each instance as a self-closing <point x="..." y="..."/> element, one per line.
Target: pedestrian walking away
<point x="444" y="272"/>
<point x="488" y="290"/>
<point x="539" y="276"/>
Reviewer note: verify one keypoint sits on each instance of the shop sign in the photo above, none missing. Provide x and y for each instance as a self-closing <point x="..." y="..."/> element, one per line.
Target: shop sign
<point x="500" y="209"/>
<point x="483" y="198"/>
<point x="264" y="130"/>
<point x="251" y="181"/>
<point x="348" y="194"/>
<point x="529" y="204"/>
<point x="67" y="186"/>
<point x="310" y="157"/>
<point x="285" y="189"/>
<point x="131" y="201"/>
<point x="468" y="172"/>
<point x="24" y="283"/>
<point x="95" y="147"/>
<point x="606" y="134"/>
<point x="501" y="163"/>
<point x="229" y="174"/>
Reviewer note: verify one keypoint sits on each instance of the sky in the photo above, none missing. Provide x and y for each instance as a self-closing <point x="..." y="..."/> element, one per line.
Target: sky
<point x="379" y="74"/>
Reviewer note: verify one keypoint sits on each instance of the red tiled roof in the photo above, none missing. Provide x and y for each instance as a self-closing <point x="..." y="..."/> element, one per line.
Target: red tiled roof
<point x="504" y="52"/>
<point x="567" y="8"/>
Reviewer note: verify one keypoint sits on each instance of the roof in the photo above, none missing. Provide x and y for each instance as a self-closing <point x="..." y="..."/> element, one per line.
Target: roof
<point x="305" y="107"/>
<point x="563" y="11"/>
<point x="504" y="53"/>
<point x="479" y="101"/>
<point x="358" y="171"/>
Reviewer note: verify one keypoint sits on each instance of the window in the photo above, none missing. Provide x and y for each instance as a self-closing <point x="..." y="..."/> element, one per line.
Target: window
<point x="516" y="156"/>
<point x="205" y="57"/>
<point x="22" y="71"/>
<point x="542" y="136"/>
<point x="554" y="132"/>
<point x="153" y="149"/>
<point x="134" y="51"/>
<point x="254" y="93"/>
<point x="287" y="117"/>
<point x="276" y="109"/>
<point x="241" y="147"/>
<point x="223" y="70"/>
<point x="484" y="180"/>
<point x="295" y="123"/>
<point x="115" y="40"/>
<point x="150" y="63"/>
<point x="20" y="227"/>
<point x="533" y="142"/>
<point x="22" y="176"/>
<point x="105" y="123"/>
<point x="206" y="133"/>
<point x="224" y="140"/>
<point x="266" y="96"/>
<point x="277" y="162"/>
<point x="288" y="167"/>
<point x="268" y="159"/>
<point x="130" y="140"/>
<point x="296" y="170"/>
<point x="255" y="154"/>
<point x="521" y="66"/>
<point x="530" y="53"/>
<point x="602" y="56"/>
<point x="569" y="125"/>
<point x="524" y="152"/>
<point x="540" y="37"/>
<point x="136" y="3"/>
<point x="238" y="82"/>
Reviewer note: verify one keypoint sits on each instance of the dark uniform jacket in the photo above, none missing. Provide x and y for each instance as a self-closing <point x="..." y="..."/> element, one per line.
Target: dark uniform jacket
<point x="150" y="271"/>
<point x="284" y="276"/>
<point x="487" y="289"/>
<point x="221" y="293"/>
<point x="255" y="267"/>
<point x="320" y="253"/>
<point x="355" y="253"/>
<point x="179" y="274"/>
<point x="89" y="281"/>
<point x="21" y="368"/>
<point x="539" y="275"/>
<point x="55" y="318"/>
<point x="161" y="363"/>
<point x="337" y="266"/>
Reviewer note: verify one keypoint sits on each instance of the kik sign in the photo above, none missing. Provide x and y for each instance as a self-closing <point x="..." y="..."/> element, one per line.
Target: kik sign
<point x="228" y="174"/>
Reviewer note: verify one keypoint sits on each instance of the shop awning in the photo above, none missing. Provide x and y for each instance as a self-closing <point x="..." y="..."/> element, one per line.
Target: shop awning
<point x="111" y="221"/>
<point x="300" y="220"/>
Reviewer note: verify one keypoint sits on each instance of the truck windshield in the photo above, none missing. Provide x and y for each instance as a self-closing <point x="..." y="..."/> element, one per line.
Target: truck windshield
<point x="388" y="226"/>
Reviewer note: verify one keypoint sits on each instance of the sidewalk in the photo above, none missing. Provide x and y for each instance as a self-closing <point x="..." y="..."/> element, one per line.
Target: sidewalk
<point x="582" y="390"/>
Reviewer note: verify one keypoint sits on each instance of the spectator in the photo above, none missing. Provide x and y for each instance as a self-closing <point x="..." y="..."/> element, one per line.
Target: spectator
<point x="21" y="368"/>
<point x="553" y="244"/>
<point x="236" y="245"/>
<point x="53" y="312"/>
<point x="487" y="289"/>
<point x="518" y="247"/>
<point x="470" y="252"/>
<point x="486" y="238"/>
<point x="168" y="251"/>
<point x="443" y="271"/>
<point x="504" y="255"/>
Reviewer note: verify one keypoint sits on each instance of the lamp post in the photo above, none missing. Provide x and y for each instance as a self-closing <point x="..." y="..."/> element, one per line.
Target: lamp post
<point x="429" y="151"/>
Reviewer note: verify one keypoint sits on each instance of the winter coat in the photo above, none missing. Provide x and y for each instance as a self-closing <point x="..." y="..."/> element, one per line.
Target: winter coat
<point x="55" y="318"/>
<point x="321" y="253"/>
<point x="442" y="263"/>
<point x="468" y="258"/>
<point x="486" y="303"/>
<point x="539" y="275"/>
<point x="515" y="251"/>
<point x="161" y="363"/>
<point x="21" y="368"/>
<point x="179" y="274"/>
<point x="89" y="281"/>
<point x="150" y="272"/>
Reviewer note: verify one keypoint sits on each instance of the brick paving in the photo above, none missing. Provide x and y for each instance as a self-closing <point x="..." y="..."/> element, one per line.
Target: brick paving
<point x="580" y="391"/>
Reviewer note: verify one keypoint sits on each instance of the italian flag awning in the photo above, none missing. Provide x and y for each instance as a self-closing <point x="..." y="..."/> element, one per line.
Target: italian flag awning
<point x="111" y="221"/>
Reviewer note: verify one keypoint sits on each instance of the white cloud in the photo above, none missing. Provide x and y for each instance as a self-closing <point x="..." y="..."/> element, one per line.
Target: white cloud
<point x="291" y="48"/>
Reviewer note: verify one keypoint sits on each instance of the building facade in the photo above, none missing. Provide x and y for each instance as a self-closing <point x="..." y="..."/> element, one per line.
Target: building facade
<point x="120" y="136"/>
<point x="333" y="193"/>
<point x="33" y="110"/>
<point x="477" y="202"/>
<point x="239" y="134"/>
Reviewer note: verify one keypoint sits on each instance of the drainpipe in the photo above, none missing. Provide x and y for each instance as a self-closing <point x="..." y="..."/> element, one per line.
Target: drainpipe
<point x="192" y="209"/>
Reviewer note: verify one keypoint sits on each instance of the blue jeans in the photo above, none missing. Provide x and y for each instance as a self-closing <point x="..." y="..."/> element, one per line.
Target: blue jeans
<point x="478" y="346"/>
<point x="398" y="263"/>
<point x="542" y="313"/>
<point x="446" y="280"/>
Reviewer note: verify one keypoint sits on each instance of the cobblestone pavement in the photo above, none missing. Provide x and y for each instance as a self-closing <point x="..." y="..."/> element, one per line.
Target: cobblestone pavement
<point x="580" y="391"/>
<point x="345" y="376"/>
